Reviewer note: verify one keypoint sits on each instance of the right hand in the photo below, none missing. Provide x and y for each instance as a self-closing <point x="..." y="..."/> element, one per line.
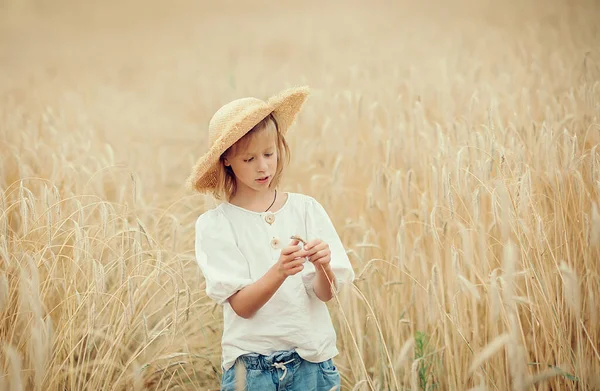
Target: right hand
<point x="291" y="260"/>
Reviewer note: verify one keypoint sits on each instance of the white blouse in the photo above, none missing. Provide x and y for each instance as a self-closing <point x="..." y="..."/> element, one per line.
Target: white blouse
<point x="236" y="246"/>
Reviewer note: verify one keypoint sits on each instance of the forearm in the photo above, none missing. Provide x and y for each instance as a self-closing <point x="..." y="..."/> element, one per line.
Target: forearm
<point x="322" y="285"/>
<point x="250" y="299"/>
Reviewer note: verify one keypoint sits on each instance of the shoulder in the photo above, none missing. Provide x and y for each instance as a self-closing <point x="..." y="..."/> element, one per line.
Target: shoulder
<point x="211" y="219"/>
<point x="309" y="203"/>
<point x="300" y="198"/>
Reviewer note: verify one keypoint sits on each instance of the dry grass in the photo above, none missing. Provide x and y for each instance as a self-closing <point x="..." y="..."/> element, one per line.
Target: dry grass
<point x="463" y="138"/>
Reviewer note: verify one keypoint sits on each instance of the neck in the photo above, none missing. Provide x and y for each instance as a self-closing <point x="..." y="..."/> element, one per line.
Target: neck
<point x="253" y="200"/>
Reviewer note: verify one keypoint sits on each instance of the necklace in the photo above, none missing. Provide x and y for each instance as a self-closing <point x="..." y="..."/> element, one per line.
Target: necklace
<point x="274" y="198"/>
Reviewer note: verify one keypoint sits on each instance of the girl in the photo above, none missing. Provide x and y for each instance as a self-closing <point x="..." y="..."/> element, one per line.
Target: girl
<point x="272" y="284"/>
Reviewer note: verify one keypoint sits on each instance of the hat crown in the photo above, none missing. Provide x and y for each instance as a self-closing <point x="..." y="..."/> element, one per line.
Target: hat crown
<point x="230" y="113"/>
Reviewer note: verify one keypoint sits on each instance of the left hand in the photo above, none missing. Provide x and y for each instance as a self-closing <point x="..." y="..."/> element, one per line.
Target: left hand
<point x="318" y="253"/>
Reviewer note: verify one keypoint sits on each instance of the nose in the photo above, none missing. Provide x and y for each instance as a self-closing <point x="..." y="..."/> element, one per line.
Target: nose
<point x="262" y="164"/>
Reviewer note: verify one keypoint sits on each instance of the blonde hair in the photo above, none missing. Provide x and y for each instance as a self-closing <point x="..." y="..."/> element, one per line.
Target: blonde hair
<point x="226" y="182"/>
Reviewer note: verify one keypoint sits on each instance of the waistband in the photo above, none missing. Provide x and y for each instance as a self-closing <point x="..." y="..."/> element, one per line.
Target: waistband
<point x="262" y="362"/>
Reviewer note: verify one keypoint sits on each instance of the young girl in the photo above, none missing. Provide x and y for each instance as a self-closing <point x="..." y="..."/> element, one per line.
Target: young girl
<point x="272" y="259"/>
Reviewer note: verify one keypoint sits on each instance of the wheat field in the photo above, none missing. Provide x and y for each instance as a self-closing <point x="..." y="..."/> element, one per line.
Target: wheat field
<point x="455" y="145"/>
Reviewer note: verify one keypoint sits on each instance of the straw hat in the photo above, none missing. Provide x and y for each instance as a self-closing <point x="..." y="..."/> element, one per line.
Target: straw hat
<point x="233" y="121"/>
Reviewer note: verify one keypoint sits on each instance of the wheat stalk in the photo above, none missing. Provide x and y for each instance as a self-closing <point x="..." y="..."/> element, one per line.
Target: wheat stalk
<point x="464" y="187"/>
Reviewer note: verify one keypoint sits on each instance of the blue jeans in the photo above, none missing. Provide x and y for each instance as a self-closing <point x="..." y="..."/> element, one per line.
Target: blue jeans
<point x="282" y="371"/>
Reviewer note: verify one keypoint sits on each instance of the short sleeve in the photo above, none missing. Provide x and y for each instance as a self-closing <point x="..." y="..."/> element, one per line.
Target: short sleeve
<point x="224" y="267"/>
<point x="320" y="226"/>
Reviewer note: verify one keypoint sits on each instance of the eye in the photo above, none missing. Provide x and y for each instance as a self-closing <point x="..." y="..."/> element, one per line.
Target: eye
<point x="268" y="154"/>
<point x="248" y="160"/>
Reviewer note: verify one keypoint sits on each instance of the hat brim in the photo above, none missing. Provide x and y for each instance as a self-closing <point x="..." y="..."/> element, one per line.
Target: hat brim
<point x="284" y="106"/>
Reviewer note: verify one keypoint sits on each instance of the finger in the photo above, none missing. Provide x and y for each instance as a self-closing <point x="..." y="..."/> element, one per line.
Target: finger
<point x="318" y="255"/>
<point x="312" y="244"/>
<point x="299" y="238"/>
<point x="299" y="254"/>
<point x="317" y="248"/>
<point x="322" y="266"/>
<point x="324" y="261"/>
<point x="290" y="250"/>
<point x="295" y="263"/>
<point x="297" y="269"/>
<point x="294" y="242"/>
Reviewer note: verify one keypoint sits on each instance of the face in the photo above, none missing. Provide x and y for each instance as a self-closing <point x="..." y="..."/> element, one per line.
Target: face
<point x="255" y="166"/>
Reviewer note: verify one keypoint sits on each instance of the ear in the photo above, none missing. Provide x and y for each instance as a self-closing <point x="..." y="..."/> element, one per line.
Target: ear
<point x="226" y="162"/>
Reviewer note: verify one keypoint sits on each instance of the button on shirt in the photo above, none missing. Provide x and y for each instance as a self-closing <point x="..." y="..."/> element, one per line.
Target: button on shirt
<point x="235" y="247"/>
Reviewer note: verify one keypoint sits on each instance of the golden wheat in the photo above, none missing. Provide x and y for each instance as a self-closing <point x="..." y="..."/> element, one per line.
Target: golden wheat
<point x="455" y="145"/>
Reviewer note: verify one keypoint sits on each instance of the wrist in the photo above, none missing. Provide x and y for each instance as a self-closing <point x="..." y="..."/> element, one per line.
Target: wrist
<point x="277" y="274"/>
<point x="326" y="275"/>
<point x="323" y="269"/>
<point x="325" y="283"/>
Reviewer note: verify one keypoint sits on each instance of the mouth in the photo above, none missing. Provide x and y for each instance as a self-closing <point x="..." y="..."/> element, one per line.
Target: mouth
<point x="263" y="179"/>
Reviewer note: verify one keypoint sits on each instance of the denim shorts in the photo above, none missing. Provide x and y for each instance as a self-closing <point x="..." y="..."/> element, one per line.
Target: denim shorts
<point x="284" y="370"/>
